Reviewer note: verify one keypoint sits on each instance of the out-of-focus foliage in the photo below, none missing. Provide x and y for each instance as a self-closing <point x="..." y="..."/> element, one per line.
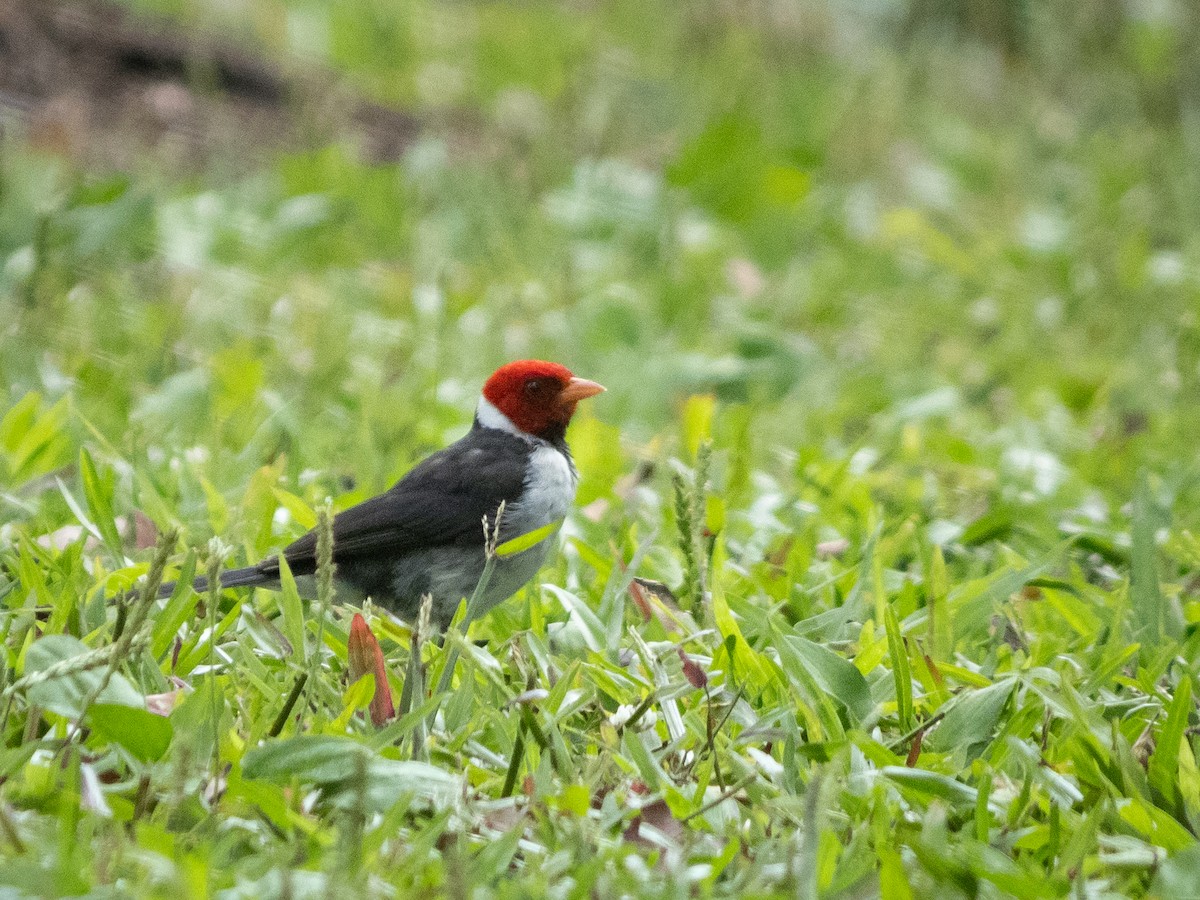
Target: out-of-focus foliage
<point x="926" y="274"/>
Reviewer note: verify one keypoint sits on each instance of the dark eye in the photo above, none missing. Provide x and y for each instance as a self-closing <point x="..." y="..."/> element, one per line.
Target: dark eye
<point x="533" y="386"/>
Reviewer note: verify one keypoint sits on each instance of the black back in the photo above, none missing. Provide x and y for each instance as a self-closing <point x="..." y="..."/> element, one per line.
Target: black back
<point x="440" y="502"/>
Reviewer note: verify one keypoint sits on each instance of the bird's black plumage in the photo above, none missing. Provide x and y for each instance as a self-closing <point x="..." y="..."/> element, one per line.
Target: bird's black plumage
<point x="426" y="535"/>
<point x="440" y="503"/>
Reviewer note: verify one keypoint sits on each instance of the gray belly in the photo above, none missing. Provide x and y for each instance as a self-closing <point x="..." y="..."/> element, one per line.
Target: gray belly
<point x="449" y="577"/>
<point x="451" y="573"/>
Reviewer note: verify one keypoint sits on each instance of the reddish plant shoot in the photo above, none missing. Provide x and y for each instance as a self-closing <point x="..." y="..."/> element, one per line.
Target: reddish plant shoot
<point x="365" y="655"/>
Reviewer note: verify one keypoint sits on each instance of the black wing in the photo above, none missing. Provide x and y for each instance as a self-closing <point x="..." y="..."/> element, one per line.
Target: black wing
<point x="442" y="501"/>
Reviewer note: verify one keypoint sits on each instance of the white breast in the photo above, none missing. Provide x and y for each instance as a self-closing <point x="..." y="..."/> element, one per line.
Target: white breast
<point x="549" y="485"/>
<point x="549" y="491"/>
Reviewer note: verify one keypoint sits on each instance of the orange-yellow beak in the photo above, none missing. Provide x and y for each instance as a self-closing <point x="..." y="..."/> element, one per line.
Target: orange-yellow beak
<point x="580" y="389"/>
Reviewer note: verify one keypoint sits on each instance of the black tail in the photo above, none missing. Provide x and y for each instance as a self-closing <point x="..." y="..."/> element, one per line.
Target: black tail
<point x="250" y="576"/>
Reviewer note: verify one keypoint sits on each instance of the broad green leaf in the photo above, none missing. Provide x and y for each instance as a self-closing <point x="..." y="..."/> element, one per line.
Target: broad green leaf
<point x="300" y="511"/>
<point x="142" y="733"/>
<point x="218" y="509"/>
<point x="1059" y="788"/>
<point x="1163" y="768"/>
<point x="575" y="799"/>
<point x="1155" y="825"/>
<point x="611" y="612"/>
<point x="65" y="693"/>
<point x="971" y="718"/>
<point x="974" y="603"/>
<point x="590" y="626"/>
<point x="834" y="674"/>
<point x="78" y="511"/>
<point x="901" y="672"/>
<point x="495" y="859"/>
<point x="988" y="527"/>
<point x="1104" y="671"/>
<point x="744" y="659"/>
<point x="18" y="420"/>
<point x="893" y="882"/>
<point x="523" y="542"/>
<point x="963" y="676"/>
<point x="602" y="564"/>
<point x="13" y="758"/>
<point x="646" y="766"/>
<point x="828" y="624"/>
<point x="269" y="800"/>
<point x="822" y="720"/>
<point x="308" y="757"/>
<point x="97" y="491"/>
<point x="1154" y="618"/>
<point x="726" y="168"/>
<point x="337" y="762"/>
<point x="40" y="446"/>
<point x="1179" y="876"/>
<point x="291" y="612"/>
<point x="32" y="575"/>
<point x="1066" y="602"/>
<point x="1189" y="781"/>
<point x="941" y="627"/>
<point x="178" y="609"/>
<point x="698" y="411"/>
<point x="357" y="696"/>
<point x="391" y="780"/>
<point x="932" y="784"/>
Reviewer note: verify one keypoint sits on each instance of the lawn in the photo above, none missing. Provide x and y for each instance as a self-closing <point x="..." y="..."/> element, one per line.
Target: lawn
<point x="898" y="306"/>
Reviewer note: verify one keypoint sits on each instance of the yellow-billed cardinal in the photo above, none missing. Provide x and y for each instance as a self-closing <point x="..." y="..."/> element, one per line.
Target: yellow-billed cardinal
<point x="425" y="535"/>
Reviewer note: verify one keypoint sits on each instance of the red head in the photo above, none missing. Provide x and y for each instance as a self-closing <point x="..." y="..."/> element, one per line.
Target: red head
<point x="537" y="397"/>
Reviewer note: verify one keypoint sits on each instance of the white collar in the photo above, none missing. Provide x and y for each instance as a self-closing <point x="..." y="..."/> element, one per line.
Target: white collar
<point x="491" y="417"/>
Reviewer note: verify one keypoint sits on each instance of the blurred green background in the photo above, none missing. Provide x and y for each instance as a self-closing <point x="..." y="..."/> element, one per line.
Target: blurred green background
<point x="927" y="273"/>
<point x="836" y="215"/>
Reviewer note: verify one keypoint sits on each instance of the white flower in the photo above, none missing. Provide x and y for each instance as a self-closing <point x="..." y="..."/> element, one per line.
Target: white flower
<point x="622" y="715"/>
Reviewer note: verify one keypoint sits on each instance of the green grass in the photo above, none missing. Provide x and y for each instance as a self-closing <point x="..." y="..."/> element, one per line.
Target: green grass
<point x="901" y="341"/>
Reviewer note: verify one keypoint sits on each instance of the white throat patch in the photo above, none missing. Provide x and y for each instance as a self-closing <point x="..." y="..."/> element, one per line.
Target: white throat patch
<point x="549" y="490"/>
<point x="490" y="417"/>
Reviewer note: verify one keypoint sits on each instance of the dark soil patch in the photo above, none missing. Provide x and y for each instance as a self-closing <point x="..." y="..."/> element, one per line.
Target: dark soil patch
<point x="87" y="79"/>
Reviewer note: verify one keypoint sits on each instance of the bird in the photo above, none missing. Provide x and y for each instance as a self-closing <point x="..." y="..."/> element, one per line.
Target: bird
<point x="427" y="534"/>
